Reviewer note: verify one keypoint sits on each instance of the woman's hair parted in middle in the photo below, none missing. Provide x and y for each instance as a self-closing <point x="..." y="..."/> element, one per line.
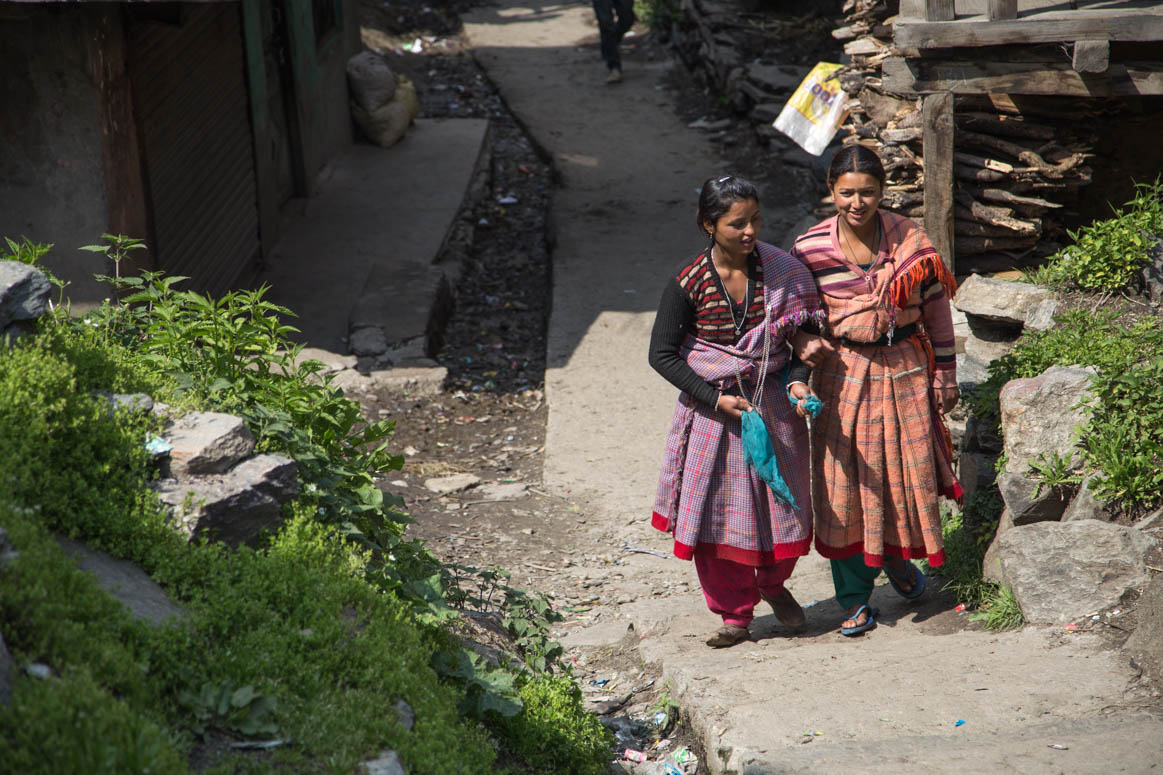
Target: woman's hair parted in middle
<point x="718" y="195"/>
<point x="855" y="158"/>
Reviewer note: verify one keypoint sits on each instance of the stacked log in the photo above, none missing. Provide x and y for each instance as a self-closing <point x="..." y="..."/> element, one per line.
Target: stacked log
<point x="1016" y="165"/>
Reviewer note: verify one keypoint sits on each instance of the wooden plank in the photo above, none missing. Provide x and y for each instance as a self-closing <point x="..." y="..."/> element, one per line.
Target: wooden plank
<point x="1061" y="27"/>
<point x="913" y="8"/>
<point x="939" y="10"/>
<point x="937" y="117"/>
<point x="1091" y="56"/>
<point x="915" y="76"/>
<point x="125" y="184"/>
<point x="1003" y="9"/>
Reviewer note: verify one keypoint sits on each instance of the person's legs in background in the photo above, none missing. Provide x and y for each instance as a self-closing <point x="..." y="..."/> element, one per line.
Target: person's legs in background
<point x="615" y="18"/>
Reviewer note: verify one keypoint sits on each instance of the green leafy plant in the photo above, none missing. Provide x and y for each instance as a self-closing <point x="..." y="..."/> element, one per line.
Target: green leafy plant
<point x="555" y="734"/>
<point x="1123" y="438"/>
<point x="222" y="706"/>
<point x="1055" y="471"/>
<point x="336" y="612"/>
<point x="1000" y="611"/>
<point x="1107" y="255"/>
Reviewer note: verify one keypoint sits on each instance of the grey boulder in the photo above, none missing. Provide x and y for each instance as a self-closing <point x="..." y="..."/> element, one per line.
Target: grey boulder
<point x="127" y="583"/>
<point x="1060" y="571"/>
<point x="24" y="292"/>
<point x="998" y="300"/>
<point x="235" y="507"/>
<point x="207" y="443"/>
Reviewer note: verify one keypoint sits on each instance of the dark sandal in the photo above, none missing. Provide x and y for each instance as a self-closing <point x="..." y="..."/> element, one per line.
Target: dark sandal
<point x="786" y="609"/>
<point x="869" y="622"/>
<point x="917" y="582"/>
<point x="728" y="635"/>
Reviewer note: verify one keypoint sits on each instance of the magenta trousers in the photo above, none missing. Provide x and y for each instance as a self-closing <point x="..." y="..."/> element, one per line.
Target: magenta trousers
<point x="733" y="589"/>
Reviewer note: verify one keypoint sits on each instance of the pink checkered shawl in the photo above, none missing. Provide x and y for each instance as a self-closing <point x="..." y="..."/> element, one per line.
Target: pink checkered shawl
<point x="708" y="496"/>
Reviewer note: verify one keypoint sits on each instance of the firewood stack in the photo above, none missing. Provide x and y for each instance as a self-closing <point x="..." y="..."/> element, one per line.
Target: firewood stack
<point x="1018" y="160"/>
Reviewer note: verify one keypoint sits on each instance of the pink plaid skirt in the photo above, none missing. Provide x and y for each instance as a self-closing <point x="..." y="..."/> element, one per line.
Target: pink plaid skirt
<point x="713" y="502"/>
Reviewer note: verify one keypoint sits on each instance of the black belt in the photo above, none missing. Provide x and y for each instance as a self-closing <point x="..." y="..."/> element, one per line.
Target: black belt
<point x="898" y="335"/>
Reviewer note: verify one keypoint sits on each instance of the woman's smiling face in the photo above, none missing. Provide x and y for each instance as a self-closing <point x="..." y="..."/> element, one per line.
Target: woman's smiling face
<point x="857" y="195"/>
<point x="738" y="229"/>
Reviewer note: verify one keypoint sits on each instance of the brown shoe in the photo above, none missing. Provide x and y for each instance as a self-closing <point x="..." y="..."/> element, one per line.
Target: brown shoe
<point x="786" y="609"/>
<point x="728" y="635"/>
<point x="614" y="76"/>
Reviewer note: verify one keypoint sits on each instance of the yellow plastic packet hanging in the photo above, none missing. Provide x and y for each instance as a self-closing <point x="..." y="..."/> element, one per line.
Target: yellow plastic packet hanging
<point x="816" y="109"/>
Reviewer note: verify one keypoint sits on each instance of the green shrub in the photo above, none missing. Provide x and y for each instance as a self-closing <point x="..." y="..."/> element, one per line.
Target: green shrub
<point x="1123" y="439"/>
<point x="71" y="725"/>
<point x="315" y="636"/>
<point x="553" y="734"/>
<point x="1107" y="255"/>
<point x="967" y="535"/>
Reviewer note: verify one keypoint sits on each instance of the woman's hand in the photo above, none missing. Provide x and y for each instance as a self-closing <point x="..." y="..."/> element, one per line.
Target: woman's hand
<point x="733" y="406"/>
<point x="812" y="349"/>
<point x="799" y="391"/>
<point x="947" y="397"/>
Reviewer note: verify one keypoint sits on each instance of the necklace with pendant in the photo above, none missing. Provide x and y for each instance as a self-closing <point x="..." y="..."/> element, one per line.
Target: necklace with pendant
<point x="742" y="321"/>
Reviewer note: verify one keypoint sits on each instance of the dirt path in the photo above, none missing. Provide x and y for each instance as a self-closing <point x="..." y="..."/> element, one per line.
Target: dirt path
<point x="1038" y="700"/>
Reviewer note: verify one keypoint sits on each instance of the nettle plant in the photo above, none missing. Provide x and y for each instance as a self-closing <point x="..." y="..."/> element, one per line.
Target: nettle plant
<point x="234" y="353"/>
<point x="1108" y="255"/>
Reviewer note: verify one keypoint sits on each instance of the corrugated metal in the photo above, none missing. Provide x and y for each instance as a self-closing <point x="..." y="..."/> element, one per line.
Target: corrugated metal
<point x="189" y="84"/>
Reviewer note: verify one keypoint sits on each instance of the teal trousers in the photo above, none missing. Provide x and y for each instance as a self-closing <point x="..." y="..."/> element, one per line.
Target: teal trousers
<point x="853" y="580"/>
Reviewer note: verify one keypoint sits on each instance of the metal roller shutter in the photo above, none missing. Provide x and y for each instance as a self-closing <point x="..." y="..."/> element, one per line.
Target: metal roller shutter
<point x="190" y="94"/>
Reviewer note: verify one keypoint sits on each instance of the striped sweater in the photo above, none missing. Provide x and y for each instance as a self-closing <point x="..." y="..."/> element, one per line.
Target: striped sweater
<point x="920" y="288"/>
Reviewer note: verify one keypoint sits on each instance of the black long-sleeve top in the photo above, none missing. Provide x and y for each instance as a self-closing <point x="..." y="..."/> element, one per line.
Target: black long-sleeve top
<point x="694" y="301"/>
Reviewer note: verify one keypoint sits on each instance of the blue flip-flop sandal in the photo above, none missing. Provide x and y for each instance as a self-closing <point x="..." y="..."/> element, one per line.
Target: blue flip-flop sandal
<point x="918" y="582"/>
<point x="869" y="623"/>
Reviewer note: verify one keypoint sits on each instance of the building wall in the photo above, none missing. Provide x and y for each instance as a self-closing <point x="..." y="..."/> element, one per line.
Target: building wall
<point x="321" y="82"/>
<point x="52" y="177"/>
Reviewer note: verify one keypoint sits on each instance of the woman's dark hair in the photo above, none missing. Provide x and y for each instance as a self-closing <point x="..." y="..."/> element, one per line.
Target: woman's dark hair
<point x="718" y="195"/>
<point x="855" y="158"/>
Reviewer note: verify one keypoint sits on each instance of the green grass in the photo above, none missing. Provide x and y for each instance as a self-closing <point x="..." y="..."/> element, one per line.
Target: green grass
<point x="314" y="636"/>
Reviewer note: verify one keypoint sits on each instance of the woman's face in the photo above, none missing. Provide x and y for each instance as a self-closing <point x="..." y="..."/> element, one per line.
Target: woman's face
<point x="738" y="229"/>
<point x="857" y="195"/>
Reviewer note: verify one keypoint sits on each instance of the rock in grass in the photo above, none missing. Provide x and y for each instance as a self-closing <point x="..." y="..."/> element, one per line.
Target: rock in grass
<point x="1060" y="571"/>
<point x="236" y="507"/>
<point x="127" y="583"/>
<point x="207" y="443"/>
<point x="388" y="763"/>
<point x="1040" y="418"/>
<point x="1000" y="301"/>
<point x="24" y="292"/>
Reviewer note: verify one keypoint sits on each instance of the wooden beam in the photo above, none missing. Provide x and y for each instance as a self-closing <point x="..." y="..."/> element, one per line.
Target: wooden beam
<point x="1057" y="27"/>
<point x="125" y="182"/>
<point x="916" y="76"/>
<point x="1091" y="56"/>
<point x="1003" y="9"/>
<point x="939" y="10"/>
<point x="937" y="117"/>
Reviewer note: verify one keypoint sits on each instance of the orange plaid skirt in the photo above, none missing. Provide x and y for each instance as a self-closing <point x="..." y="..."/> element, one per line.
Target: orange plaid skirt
<point x="880" y="455"/>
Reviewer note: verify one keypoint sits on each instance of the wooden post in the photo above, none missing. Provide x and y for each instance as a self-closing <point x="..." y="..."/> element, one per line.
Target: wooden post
<point x="937" y="146"/>
<point x="1092" y="56"/>
<point x="939" y="10"/>
<point x="1003" y="9"/>
<point x="125" y="183"/>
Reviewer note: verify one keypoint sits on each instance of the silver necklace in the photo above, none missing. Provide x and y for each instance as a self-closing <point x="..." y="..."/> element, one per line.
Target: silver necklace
<point x="738" y="324"/>
<point x="757" y="397"/>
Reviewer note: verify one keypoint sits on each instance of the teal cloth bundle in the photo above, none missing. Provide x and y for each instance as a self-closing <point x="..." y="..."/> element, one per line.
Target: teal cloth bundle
<point x="760" y="455"/>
